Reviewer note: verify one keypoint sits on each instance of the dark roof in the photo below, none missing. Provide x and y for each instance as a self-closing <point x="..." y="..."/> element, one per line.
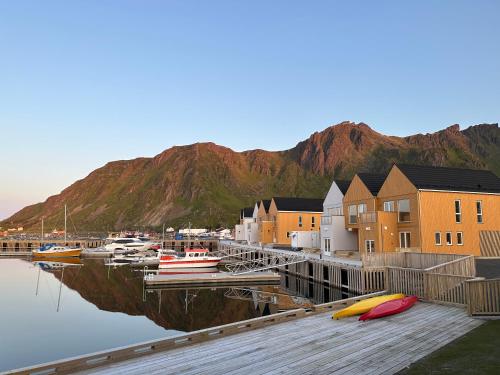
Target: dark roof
<point x="267" y="204"/>
<point x="246" y="212"/>
<point x="299" y="204"/>
<point x="343" y="185"/>
<point x="451" y="179"/>
<point x="372" y="181"/>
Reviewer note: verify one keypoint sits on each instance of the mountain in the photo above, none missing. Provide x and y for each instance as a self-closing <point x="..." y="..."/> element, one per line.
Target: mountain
<point x="206" y="184"/>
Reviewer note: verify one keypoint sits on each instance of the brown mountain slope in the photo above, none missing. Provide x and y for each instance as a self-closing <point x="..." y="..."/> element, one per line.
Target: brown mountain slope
<point x="206" y="184"/>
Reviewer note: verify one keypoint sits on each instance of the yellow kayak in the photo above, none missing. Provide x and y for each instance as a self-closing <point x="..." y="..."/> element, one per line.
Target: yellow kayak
<point x="365" y="305"/>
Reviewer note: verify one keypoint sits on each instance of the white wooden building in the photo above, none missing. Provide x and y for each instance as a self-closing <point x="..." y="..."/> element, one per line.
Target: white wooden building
<point x="334" y="235"/>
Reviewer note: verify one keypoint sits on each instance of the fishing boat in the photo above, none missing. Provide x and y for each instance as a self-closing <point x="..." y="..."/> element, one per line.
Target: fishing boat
<point x="52" y="250"/>
<point x="193" y="258"/>
<point x="390" y="308"/>
<point x="365" y="305"/>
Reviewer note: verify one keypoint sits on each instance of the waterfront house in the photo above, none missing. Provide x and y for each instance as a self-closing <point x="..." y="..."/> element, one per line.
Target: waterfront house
<point x="265" y="224"/>
<point x="240" y="230"/>
<point x="428" y="209"/>
<point x="334" y="235"/>
<point x="294" y="214"/>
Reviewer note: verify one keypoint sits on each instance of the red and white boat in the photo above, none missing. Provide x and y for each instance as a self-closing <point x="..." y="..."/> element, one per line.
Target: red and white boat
<point x="193" y="258"/>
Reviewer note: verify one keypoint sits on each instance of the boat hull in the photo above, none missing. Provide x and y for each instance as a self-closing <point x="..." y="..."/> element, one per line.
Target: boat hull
<point x="364" y="306"/>
<point x="171" y="264"/>
<point x="57" y="254"/>
<point x="390" y="308"/>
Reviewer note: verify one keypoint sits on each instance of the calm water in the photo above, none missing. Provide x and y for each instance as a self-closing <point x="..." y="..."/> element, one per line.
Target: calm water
<point x="48" y="314"/>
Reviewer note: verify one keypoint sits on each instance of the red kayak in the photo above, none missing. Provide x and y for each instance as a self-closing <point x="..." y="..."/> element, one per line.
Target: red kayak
<point x="390" y="308"/>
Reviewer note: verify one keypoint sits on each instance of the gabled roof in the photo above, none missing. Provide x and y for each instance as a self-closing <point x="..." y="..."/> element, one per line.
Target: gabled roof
<point x="267" y="204"/>
<point x="246" y="212"/>
<point x="299" y="204"/>
<point x="343" y="185"/>
<point x="372" y="181"/>
<point x="451" y="179"/>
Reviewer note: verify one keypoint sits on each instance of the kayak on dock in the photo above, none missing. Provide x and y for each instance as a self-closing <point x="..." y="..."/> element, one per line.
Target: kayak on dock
<point x="365" y="305"/>
<point x="390" y="308"/>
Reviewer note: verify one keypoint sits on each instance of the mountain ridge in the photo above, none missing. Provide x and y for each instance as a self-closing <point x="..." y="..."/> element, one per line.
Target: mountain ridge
<point x="206" y="183"/>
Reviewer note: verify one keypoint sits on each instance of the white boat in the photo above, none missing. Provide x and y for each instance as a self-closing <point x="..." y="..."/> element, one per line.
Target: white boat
<point x="193" y="258"/>
<point x="126" y="244"/>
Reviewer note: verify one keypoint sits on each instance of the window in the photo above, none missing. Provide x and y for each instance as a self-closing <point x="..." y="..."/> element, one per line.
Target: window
<point x="449" y="241"/>
<point x="458" y="211"/>
<point x="327" y="245"/>
<point x="353" y="214"/>
<point x="389" y="206"/>
<point x="404" y="210"/>
<point x="404" y="240"/>
<point x="361" y="208"/>
<point x="370" y="246"/>
<point x="313" y="221"/>
<point x="460" y="238"/>
<point x="300" y="221"/>
<point x="437" y="238"/>
<point x="287" y="234"/>
<point x="479" y="211"/>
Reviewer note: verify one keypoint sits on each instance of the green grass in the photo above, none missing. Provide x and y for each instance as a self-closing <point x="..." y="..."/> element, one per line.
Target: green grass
<point x="478" y="352"/>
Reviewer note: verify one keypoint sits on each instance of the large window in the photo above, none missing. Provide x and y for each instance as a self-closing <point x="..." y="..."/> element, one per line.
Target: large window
<point x="370" y="246"/>
<point x="458" y="211"/>
<point x="479" y="211"/>
<point x="404" y="210"/>
<point x="437" y="238"/>
<point x="449" y="240"/>
<point x="300" y="221"/>
<point x="361" y="208"/>
<point x="353" y="214"/>
<point x="389" y="206"/>
<point x="460" y="238"/>
<point x="404" y="240"/>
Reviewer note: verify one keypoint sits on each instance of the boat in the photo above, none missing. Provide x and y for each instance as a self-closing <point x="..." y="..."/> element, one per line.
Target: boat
<point x="365" y="305"/>
<point x="395" y="306"/>
<point x="52" y="250"/>
<point x="126" y="244"/>
<point x="193" y="258"/>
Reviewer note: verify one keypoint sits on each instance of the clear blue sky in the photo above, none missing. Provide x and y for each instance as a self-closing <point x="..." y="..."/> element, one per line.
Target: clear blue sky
<point x="86" y="82"/>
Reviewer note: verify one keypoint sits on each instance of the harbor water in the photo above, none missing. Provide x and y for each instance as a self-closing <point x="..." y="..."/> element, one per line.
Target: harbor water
<point x="51" y="311"/>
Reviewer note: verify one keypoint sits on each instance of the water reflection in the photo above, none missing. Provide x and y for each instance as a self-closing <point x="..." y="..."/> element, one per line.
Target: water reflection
<point x="83" y="306"/>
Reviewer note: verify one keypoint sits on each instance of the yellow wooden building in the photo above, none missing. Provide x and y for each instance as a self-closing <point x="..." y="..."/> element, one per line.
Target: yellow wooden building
<point x="294" y="214"/>
<point x="265" y="224"/>
<point x="428" y="209"/>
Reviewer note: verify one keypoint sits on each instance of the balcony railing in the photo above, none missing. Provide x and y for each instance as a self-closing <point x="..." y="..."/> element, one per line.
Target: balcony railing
<point x="368" y="217"/>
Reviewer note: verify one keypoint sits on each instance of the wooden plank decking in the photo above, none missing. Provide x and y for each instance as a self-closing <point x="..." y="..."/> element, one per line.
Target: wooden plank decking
<point x="314" y="345"/>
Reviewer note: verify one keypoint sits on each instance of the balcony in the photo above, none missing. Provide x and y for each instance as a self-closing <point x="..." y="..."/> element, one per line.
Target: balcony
<point x="368" y="217"/>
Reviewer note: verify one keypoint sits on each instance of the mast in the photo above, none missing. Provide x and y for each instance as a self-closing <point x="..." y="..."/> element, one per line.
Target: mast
<point x="64" y="225"/>
<point x="41" y="240"/>
<point x="163" y="237"/>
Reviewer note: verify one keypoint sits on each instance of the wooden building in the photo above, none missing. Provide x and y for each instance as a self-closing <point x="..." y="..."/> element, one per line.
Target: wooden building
<point x="427" y="209"/>
<point x="294" y="214"/>
<point x="265" y="224"/>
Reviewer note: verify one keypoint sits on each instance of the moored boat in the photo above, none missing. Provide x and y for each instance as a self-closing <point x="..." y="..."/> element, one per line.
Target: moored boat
<point x="390" y="308"/>
<point x="52" y="250"/>
<point x="193" y="258"/>
<point x="365" y="305"/>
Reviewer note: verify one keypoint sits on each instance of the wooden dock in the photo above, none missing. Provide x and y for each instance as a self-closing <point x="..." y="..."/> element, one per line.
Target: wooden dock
<point x="314" y="345"/>
<point x="207" y="279"/>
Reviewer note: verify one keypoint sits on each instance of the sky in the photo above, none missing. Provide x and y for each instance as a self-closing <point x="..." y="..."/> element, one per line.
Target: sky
<point x="87" y="82"/>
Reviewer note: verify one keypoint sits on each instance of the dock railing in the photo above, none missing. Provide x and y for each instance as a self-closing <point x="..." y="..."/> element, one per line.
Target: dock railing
<point x="483" y="296"/>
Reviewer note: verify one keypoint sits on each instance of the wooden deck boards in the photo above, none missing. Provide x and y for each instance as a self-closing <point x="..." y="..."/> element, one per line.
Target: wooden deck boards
<point x="314" y="345"/>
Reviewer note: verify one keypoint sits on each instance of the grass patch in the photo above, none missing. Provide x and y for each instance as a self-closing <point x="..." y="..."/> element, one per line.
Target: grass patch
<point x="477" y="352"/>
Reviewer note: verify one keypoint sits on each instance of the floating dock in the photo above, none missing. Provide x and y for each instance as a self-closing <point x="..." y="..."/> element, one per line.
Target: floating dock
<point x="207" y="279"/>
